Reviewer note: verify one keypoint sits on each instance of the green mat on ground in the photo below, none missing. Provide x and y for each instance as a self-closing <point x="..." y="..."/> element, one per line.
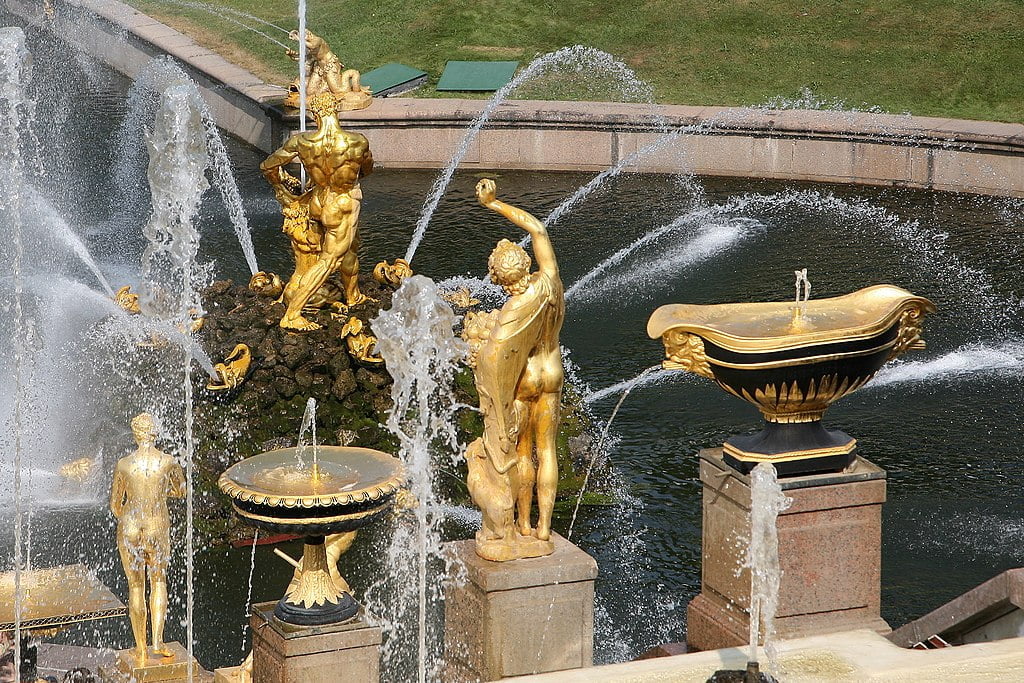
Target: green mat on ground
<point x="476" y="75"/>
<point x="393" y="77"/>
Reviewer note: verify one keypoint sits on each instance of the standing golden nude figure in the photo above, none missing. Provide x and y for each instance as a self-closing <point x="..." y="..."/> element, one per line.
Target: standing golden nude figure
<point x="323" y="222"/>
<point x="517" y="362"/>
<point x="138" y="498"/>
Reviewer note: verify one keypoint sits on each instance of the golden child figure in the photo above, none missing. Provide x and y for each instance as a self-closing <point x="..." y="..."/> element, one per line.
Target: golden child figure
<point x="143" y="481"/>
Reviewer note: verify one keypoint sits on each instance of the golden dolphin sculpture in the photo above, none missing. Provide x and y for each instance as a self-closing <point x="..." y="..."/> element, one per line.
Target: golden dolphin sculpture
<point x="232" y="371"/>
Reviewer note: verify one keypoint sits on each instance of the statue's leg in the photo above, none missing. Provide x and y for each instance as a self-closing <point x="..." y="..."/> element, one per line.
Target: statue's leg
<point x="525" y="471"/>
<point x="349" y="269"/>
<point x="335" y="217"/>
<point x="158" y="605"/>
<point x="135" y="572"/>
<point x="545" y="415"/>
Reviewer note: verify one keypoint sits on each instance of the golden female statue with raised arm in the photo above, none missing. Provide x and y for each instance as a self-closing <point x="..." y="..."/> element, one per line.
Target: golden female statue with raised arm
<point x="323" y="223"/>
<point x="518" y="370"/>
<point x="138" y="498"/>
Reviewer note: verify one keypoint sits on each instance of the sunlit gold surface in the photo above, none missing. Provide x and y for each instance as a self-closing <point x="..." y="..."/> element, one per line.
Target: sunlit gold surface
<point x="348" y="475"/>
<point x="392" y="273"/>
<point x="157" y="667"/>
<point x="518" y="369"/>
<point x="746" y="456"/>
<point x="127" y="300"/>
<point x="59" y="596"/>
<point x="460" y="298"/>
<point x="772" y="326"/>
<point x="323" y="222"/>
<point x="341" y="488"/>
<point x="79" y="471"/>
<point x="138" y="498"/>
<point x="231" y="373"/>
<point x="266" y="284"/>
<point x="360" y="344"/>
<point x="326" y="74"/>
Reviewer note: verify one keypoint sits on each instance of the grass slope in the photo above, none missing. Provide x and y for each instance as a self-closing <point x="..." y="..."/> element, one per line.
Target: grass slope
<point x="957" y="58"/>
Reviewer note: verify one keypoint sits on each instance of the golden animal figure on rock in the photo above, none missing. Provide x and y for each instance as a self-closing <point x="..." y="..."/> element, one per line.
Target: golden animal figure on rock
<point x="231" y="373"/>
<point x="325" y="74"/>
<point x="517" y="362"/>
<point x="360" y="344"/>
<point x="323" y="222"/>
<point x="392" y="273"/>
<point x="143" y="481"/>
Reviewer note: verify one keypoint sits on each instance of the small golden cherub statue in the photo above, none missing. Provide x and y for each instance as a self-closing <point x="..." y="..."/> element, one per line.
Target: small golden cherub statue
<point x="517" y="364"/>
<point x="128" y="300"/>
<point x="266" y="284"/>
<point x="392" y="273"/>
<point x="360" y="344"/>
<point x="326" y="74"/>
<point x="233" y="370"/>
<point x="143" y="481"/>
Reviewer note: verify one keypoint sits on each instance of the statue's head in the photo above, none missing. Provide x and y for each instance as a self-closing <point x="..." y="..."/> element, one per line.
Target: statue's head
<point x="509" y="267"/>
<point x="144" y="429"/>
<point x="323" y="105"/>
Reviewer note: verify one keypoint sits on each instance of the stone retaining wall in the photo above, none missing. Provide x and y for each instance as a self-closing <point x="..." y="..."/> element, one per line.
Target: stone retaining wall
<point x="842" y="147"/>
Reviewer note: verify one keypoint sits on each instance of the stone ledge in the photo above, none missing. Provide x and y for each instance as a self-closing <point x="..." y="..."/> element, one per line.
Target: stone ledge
<point x="568" y="564"/>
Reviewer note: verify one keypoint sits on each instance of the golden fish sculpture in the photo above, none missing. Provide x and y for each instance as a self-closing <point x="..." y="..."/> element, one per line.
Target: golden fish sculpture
<point x="392" y="273"/>
<point x="231" y="373"/>
<point x="127" y="300"/>
<point x="80" y="470"/>
<point x="360" y="345"/>
<point x="266" y="284"/>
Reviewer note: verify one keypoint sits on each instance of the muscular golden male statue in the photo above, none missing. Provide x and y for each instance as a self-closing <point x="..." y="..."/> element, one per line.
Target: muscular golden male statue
<point x="335" y="161"/>
<point x="138" y="498"/>
<point x="519" y="377"/>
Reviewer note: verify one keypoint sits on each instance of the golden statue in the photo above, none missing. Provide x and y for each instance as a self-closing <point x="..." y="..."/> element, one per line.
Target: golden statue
<point x="266" y="284"/>
<point x="323" y="222"/>
<point x="79" y="471"/>
<point x="392" y="273"/>
<point x="360" y="344"/>
<point x="518" y="371"/>
<point x="138" y="498"/>
<point x="233" y="370"/>
<point x="460" y="298"/>
<point x="326" y="74"/>
<point x="128" y="300"/>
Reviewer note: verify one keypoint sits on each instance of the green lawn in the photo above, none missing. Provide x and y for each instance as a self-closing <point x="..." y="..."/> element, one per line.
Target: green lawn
<point x="958" y="58"/>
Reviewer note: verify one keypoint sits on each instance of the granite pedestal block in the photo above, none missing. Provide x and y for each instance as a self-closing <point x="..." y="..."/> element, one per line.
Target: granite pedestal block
<point x="519" y="617"/>
<point x="829" y="551"/>
<point x="283" y="653"/>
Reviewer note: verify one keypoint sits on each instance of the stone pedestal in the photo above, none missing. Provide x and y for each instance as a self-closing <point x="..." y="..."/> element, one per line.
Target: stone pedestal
<point x="519" y="617"/>
<point x="158" y="669"/>
<point x="829" y="551"/>
<point x="283" y="653"/>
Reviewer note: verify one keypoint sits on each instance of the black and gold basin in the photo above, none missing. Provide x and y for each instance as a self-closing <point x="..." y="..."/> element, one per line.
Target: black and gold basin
<point x="792" y="361"/>
<point x="341" y="491"/>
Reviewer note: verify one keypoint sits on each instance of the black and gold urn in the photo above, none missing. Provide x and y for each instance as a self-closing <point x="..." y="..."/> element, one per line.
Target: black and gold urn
<point x="792" y="360"/>
<point x="325" y="497"/>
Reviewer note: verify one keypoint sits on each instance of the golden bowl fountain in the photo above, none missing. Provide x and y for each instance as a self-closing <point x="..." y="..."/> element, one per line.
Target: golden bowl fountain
<point x="341" y="490"/>
<point x="792" y="360"/>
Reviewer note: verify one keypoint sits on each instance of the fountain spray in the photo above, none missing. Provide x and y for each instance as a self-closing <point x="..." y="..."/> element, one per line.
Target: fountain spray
<point x="422" y="354"/>
<point x="13" y="74"/>
<point x="177" y="180"/>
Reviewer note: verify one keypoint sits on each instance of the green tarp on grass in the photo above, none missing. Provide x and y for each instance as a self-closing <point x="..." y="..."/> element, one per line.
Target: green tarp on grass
<point x="476" y="75"/>
<point x="392" y="78"/>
